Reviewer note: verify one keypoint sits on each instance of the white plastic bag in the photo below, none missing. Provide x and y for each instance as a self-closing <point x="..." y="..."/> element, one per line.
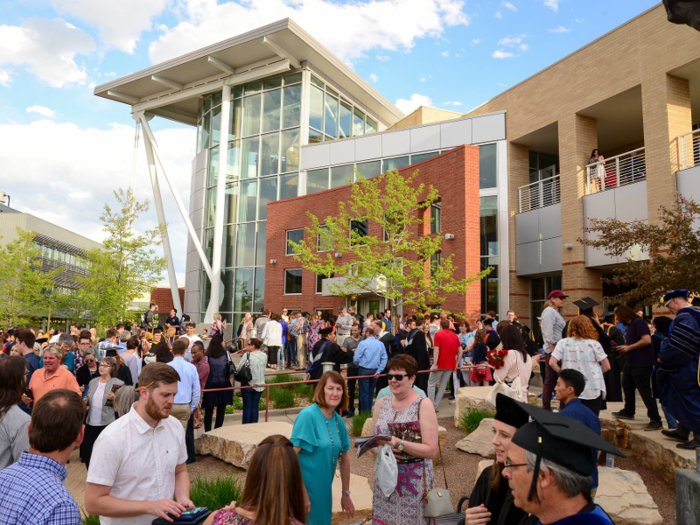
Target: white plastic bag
<point x="502" y="388"/>
<point x="386" y="471"/>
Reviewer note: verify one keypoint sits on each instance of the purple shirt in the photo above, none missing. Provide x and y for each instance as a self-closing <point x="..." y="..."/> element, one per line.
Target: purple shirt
<point x="645" y="355"/>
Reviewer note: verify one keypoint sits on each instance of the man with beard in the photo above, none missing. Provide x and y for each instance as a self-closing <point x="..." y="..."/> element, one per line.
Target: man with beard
<point x="138" y="462"/>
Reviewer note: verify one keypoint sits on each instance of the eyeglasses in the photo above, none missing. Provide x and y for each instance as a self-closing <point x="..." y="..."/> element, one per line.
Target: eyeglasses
<point x="104" y="365"/>
<point x="90" y="361"/>
<point x="508" y="465"/>
<point x="398" y="377"/>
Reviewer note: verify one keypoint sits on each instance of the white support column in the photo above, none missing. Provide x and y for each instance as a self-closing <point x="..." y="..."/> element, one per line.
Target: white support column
<point x="220" y="208"/>
<point x="174" y="291"/>
<point x="176" y="196"/>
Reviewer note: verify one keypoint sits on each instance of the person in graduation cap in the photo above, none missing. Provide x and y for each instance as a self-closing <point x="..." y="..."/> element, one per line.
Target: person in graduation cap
<point x="549" y="466"/>
<point x="677" y="378"/>
<point x="491" y="500"/>
<point x="324" y="351"/>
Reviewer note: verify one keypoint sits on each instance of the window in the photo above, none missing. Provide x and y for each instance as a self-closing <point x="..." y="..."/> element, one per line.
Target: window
<point x="319" y="281"/>
<point x="288" y="185"/>
<point x="395" y="164"/>
<point x="435" y="261"/>
<point x="367" y="170"/>
<point x="316" y="180"/>
<point x="360" y="229"/>
<point x="436" y="217"/>
<point x="342" y="175"/>
<point x="292" y="281"/>
<point x="294" y="236"/>
<point x="489" y="252"/>
<point x="487" y="166"/>
<point x="324" y="241"/>
<point x="539" y="290"/>
<point x="423" y="156"/>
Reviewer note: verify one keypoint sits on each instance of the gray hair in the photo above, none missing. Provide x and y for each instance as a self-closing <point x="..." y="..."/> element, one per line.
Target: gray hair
<point x="88" y="351"/>
<point x="65" y="339"/>
<point x="125" y="397"/>
<point x="125" y="336"/>
<point x="55" y="349"/>
<point x="570" y="482"/>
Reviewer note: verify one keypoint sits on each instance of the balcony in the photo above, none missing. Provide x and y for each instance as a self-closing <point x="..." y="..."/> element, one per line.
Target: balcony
<point x="690" y="149"/>
<point x="540" y="194"/>
<point x="615" y="172"/>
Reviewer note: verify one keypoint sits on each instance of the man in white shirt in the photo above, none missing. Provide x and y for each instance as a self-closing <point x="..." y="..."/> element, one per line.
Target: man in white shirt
<point x="138" y="462"/>
<point x="187" y="397"/>
<point x="192" y="338"/>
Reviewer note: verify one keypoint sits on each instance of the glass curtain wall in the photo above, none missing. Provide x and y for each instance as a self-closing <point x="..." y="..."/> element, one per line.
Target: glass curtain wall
<point x="262" y="167"/>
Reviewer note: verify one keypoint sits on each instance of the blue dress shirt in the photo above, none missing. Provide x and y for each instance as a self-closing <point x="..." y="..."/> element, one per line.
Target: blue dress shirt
<point x="371" y="353"/>
<point x="188" y="389"/>
<point x="580" y="412"/>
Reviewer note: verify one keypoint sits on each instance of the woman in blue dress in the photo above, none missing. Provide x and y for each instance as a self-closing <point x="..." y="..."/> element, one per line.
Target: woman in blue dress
<point x="321" y="440"/>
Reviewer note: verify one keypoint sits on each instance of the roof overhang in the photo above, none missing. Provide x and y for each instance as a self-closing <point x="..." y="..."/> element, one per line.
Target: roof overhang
<point x="172" y="88"/>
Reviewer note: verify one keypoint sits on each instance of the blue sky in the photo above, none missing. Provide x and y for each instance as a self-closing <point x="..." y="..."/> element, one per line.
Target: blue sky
<point x="64" y="150"/>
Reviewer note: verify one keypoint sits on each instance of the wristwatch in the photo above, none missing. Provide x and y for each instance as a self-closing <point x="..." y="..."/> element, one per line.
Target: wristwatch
<point x="400" y="447"/>
<point x="345" y="492"/>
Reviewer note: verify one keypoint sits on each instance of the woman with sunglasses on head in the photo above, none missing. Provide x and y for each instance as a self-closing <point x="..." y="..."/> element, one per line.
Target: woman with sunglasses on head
<point x="87" y="373"/>
<point x="270" y="495"/>
<point x="491" y="500"/>
<point x="409" y="418"/>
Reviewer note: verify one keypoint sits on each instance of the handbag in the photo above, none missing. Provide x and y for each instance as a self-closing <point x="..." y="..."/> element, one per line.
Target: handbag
<point x="231" y="365"/>
<point x="244" y="374"/>
<point x="437" y="502"/>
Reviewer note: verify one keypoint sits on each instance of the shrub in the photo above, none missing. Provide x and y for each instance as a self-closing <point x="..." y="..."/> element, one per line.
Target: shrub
<point x="281" y="398"/>
<point x="89" y="519"/>
<point x="358" y="422"/>
<point x="215" y="493"/>
<point x="471" y="419"/>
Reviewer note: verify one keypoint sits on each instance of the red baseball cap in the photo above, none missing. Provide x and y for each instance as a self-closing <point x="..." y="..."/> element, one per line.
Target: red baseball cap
<point x="556" y="293"/>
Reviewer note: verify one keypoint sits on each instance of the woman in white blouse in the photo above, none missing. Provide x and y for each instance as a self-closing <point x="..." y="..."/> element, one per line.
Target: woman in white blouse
<point x="517" y="363"/>
<point x="582" y="351"/>
<point x="272" y="339"/>
<point x="257" y="361"/>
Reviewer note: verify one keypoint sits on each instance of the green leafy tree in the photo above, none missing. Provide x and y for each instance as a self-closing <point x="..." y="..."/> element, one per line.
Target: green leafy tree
<point x="402" y="265"/>
<point x="125" y="268"/>
<point x="26" y="292"/>
<point x="672" y="246"/>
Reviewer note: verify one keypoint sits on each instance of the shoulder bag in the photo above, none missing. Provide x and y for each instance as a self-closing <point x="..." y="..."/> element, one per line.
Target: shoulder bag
<point x="438" y="505"/>
<point x="231" y="365"/>
<point x="244" y="374"/>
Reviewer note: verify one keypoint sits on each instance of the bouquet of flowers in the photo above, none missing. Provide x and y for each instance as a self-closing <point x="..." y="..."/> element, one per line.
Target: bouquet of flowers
<point x="496" y="358"/>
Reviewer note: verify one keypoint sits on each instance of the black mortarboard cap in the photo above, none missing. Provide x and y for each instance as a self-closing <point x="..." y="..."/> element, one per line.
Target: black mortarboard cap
<point x="111" y="352"/>
<point x="41" y="340"/>
<point x="561" y="440"/>
<point x="325" y="331"/>
<point x="586" y="304"/>
<point x="508" y="412"/>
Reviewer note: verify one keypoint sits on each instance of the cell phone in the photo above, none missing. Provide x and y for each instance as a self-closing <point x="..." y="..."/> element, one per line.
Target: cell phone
<point x="28" y="393"/>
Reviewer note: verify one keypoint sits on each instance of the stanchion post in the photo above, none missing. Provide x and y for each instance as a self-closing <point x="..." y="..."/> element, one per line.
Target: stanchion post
<point x="267" y="402"/>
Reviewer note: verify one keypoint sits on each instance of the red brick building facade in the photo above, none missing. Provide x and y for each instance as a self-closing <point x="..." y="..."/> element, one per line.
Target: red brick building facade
<point x="164" y="299"/>
<point x="455" y="176"/>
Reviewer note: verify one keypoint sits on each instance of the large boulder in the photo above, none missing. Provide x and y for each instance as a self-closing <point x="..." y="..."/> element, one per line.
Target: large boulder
<point x="361" y="492"/>
<point x="623" y="495"/>
<point x="479" y="441"/>
<point x="236" y="444"/>
<point x="471" y="397"/>
<point x="367" y="431"/>
<point x="481" y="466"/>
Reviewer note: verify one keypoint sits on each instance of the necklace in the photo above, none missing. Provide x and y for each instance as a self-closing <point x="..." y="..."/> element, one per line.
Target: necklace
<point x="334" y="463"/>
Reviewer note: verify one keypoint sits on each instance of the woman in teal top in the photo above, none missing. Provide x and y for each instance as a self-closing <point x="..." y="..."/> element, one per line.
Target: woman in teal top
<point x="321" y="440"/>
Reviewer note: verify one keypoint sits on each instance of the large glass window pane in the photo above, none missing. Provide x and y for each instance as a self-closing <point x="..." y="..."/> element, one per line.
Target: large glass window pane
<point x="226" y="291"/>
<point x="315" y="136"/>
<point x="316" y="180"/>
<point x="270" y="155"/>
<point x="359" y="229"/>
<point x="423" y="156"/>
<point x="345" y="120"/>
<point x="206" y="122"/>
<point x="268" y="193"/>
<point x="253" y="87"/>
<point x="371" y="169"/>
<point x="537" y="290"/>
<point x="234" y="130"/>
<point x="209" y="243"/>
<point x="237" y="91"/>
<point x="289" y="153"/>
<point x="231" y="203"/>
<point x="316" y="81"/>
<point x="371" y="126"/>
<point x="293" y="236"/>
<point x="489" y="226"/>
<point x="395" y="164"/>
<point x="228" y="248"/>
<point x="289" y="185"/>
<point x="245" y="244"/>
<point x="272" y="110"/>
<point x="215" y="125"/>
<point x="291" y="107"/>
<point x="358" y="123"/>
<point x="272" y="83"/>
<point x="207" y="104"/>
<point x="213" y="166"/>
<point x="211" y="206"/>
<point x="436" y="217"/>
<point x="331" y="112"/>
<point x="316" y="108"/>
<point x="261" y="245"/>
<point x="341" y="175"/>
<point x="292" y="281"/>
<point x="487" y="166"/>
<point x="233" y="165"/>
<point x="489" y="286"/>
<point x="248" y="201"/>
<point x="251" y="115"/>
<point x="294" y="78"/>
<point x="243" y="301"/>
<point x="259" y="289"/>
<point x="324" y="240"/>
<point x="216" y="98"/>
<point x="249" y="157"/>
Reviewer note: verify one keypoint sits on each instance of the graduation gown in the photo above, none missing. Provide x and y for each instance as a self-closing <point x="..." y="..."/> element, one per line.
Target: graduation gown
<point x="500" y="505"/>
<point x="333" y="353"/>
<point x="418" y="349"/>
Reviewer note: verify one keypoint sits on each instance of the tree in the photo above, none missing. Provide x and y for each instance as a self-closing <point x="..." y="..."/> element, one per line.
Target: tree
<point x="26" y="292"/>
<point x="401" y="265"/>
<point x="125" y="268"/>
<point x="672" y="245"/>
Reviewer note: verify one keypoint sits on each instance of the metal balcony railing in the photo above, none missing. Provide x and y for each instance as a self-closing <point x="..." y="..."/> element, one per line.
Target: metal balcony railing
<point x="690" y="149"/>
<point x="617" y="171"/>
<point x="545" y="192"/>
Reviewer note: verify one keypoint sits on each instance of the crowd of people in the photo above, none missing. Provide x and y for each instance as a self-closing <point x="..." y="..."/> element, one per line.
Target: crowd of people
<point x="132" y="400"/>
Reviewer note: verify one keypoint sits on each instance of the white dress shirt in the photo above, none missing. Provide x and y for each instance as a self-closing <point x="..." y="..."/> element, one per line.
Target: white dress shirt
<point x="138" y="461"/>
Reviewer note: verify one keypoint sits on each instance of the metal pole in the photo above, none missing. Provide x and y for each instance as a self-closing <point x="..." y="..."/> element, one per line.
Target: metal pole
<point x="267" y="402"/>
<point x="215" y="299"/>
<point x="174" y="291"/>
<point x="176" y="196"/>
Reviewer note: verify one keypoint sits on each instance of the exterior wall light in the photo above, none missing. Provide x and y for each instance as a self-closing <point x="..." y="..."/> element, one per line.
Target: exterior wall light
<point x="273" y="261"/>
<point x="569" y="246"/>
<point x="338" y="255"/>
<point x="449" y="236"/>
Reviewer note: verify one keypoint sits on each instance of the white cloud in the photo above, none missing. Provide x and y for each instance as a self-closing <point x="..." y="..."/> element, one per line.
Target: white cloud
<point x="524" y="47"/>
<point x="4" y="78"/>
<point x="560" y="29"/>
<point x="501" y="84"/>
<point x="580" y="20"/>
<point x="383" y="58"/>
<point x="120" y="24"/>
<point x="42" y="110"/>
<point x="452" y="103"/>
<point x="364" y="23"/>
<point x="510" y="41"/>
<point x="85" y="166"/>
<point x="553" y="4"/>
<point x="416" y="101"/>
<point x="510" y="6"/>
<point x="498" y="14"/>
<point x="47" y="48"/>
<point x="502" y="54"/>
<point x="445" y="54"/>
<point x="477" y="41"/>
<point x="373" y="77"/>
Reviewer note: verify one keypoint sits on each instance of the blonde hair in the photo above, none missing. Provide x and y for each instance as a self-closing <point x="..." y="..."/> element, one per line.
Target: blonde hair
<point x="217" y="317"/>
<point x="55" y="349"/>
